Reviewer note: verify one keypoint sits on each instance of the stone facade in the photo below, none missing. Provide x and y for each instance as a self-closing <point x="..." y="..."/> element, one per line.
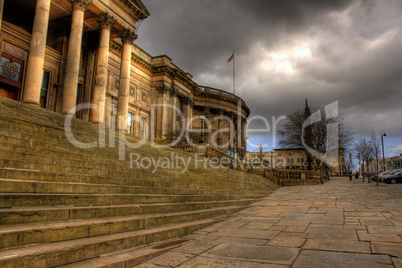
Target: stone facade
<point x="294" y="158"/>
<point x="62" y="54"/>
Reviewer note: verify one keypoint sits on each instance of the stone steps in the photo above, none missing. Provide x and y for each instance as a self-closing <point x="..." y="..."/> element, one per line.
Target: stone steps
<point x="129" y="258"/>
<point x="51" y="163"/>
<point x="30" y="234"/>
<point x="22" y="215"/>
<point x="64" y="205"/>
<point x="8" y="200"/>
<point x="65" y="252"/>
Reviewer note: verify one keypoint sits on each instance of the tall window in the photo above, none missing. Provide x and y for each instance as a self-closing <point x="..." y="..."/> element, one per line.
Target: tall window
<point x="143" y="128"/>
<point x="44" y="91"/>
<point x="130" y="123"/>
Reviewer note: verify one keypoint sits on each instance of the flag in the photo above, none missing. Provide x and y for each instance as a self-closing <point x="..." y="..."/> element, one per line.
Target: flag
<point x="231" y="58"/>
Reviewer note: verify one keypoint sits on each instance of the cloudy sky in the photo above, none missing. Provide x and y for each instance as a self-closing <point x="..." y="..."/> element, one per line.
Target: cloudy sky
<point x="286" y="51"/>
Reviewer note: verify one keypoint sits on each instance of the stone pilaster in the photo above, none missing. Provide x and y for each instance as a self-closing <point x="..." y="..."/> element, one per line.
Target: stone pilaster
<point x="99" y="91"/>
<point x="73" y="55"/>
<point x="127" y="38"/>
<point x="34" y="72"/>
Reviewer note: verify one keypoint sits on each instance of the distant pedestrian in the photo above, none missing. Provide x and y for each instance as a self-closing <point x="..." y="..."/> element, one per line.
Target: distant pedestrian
<point x="350" y="175"/>
<point x="357" y="174"/>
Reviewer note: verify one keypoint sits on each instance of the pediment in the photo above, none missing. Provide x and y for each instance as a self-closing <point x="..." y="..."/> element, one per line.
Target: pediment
<point x="139" y="9"/>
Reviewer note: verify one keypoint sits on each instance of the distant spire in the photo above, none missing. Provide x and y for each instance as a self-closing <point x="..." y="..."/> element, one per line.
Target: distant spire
<point x="307" y="111"/>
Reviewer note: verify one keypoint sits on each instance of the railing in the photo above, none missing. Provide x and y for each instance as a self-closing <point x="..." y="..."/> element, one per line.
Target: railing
<point x="186" y="148"/>
<point x="299" y="177"/>
<point x="223" y="157"/>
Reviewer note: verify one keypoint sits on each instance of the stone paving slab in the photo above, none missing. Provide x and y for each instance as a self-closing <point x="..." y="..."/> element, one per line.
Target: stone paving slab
<point x="207" y="262"/>
<point x="264" y="254"/>
<point x="337" y="224"/>
<point x="314" y="258"/>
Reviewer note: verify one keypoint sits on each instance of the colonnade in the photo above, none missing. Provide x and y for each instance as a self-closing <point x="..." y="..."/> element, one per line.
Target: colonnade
<point x="34" y="71"/>
<point x="220" y="120"/>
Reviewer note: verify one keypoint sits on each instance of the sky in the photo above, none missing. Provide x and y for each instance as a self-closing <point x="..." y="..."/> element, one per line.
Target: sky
<point x="287" y="51"/>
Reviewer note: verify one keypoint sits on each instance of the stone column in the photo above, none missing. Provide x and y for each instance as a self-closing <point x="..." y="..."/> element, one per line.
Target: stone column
<point x="219" y="136"/>
<point x="173" y="114"/>
<point x="34" y="72"/>
<point x="187" y="111"/>
<point x="243" y="133"/>
<point x="162" y="115"/>
<point x="89" y="74"/>
<point x="73" y="55"/>
<point x="127" y="38"/>
<point x="99" y="91"/>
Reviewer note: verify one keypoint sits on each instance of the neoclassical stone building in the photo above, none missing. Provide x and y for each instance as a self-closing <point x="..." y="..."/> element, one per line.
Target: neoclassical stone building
<point x="61" y="54"/>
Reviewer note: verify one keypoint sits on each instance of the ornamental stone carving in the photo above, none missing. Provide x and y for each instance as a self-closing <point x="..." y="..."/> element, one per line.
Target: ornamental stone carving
<point x="80" y="3"/>
<point x="128" y="36"/>
<point x="173" y="91"/>
<point x="188" y="101"/>
<point x="105" y="21"/>
<point x="220" y="111"/>
<point x="206" y="110"/>
<point x="162" y="88"/>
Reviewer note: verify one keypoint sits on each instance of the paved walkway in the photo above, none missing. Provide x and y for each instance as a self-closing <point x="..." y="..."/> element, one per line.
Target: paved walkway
<point x="338" y="224"/>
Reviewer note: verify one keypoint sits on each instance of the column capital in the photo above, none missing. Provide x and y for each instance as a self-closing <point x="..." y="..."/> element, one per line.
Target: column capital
<point x="128" y="36"/>
<point x="173" y="91"/>
<point x="188" y="101"/>
<point x="206" y="110"/>
<point x="105" y="20"/>
<point x="162" y="88"/>
<point x="80" y="3"/>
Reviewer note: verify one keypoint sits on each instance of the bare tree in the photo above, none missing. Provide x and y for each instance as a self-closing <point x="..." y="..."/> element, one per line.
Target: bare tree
<point x="365" y="149"/>
<point x="348" y="164"/>
<point x="375" y="143"/>
<point x="315" y="136"/>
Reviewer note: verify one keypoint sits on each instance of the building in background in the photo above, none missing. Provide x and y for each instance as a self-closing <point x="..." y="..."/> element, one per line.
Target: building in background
<point x="294" y="158"/>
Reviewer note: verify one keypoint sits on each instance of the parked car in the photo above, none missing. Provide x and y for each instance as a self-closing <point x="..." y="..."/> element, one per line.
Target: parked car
<point x="397" y="178"/>
<point x="374" y="176"/>
<point x="394" y="174"/>
<point x="384" y="174"/>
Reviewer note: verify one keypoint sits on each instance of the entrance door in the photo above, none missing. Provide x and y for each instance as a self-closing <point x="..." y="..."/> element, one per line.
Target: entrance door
<point x="9" y="91"/>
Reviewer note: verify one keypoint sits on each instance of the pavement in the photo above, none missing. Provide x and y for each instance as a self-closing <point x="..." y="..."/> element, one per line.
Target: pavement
<point x="337" y="224"/>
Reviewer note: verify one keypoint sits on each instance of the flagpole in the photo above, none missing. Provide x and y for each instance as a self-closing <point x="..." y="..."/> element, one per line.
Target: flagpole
<point x="234" y="79"/>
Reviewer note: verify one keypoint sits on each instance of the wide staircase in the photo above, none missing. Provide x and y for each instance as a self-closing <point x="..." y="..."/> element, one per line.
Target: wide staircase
<point x="61" y="205"/>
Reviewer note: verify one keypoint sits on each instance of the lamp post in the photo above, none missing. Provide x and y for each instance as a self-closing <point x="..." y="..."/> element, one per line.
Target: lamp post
<point x="382" y="144"/>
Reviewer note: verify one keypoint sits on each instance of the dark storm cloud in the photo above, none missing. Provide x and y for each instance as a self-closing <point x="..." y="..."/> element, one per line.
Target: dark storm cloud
<point x="287" y="51"/>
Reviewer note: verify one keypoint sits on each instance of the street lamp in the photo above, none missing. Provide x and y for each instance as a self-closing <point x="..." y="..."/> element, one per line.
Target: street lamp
<point x="260" y="154"/>
<point x="382" y="144"/>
